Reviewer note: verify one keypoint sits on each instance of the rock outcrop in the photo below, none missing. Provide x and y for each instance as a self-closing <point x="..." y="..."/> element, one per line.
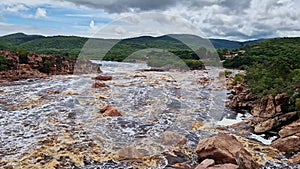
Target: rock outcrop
<point x="289" y="140"/>
<point x="40" y="66"/>
<point x="241" y="98"/>
<point x="224" y="148"/>
<point x="268" y="113"/>
<point x="271" y="112"/>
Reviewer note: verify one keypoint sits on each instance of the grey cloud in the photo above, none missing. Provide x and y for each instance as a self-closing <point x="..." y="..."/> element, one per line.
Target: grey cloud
<point x="236" y="19"/>
<point x="119" y="6"/>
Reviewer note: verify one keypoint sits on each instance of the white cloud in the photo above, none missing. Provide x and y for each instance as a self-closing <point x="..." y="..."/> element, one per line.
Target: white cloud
<point x="16" y="8"/>
<point x="120" y="30"/>
<point x="92" y="25"/>
<point x="237" y="20"/>
<point x="41" y="13"/>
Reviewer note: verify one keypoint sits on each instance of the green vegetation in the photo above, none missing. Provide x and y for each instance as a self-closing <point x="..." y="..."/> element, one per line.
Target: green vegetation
<point x="46" y="66"/>
<point x="161" y="58"/>
<point x="298" y="104"/>
<point x="227" y="73"/>
<point x="71" y="46"/>
<point x="3" y="63"/>
<point x="23" y="53"/>
<point x="238" y="78"/>
<point x="272" y="67"/>
<point x="194" y="64"/>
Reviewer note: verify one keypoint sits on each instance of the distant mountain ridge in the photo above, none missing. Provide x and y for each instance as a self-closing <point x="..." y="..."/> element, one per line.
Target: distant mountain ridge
<point x="71" y="45"/>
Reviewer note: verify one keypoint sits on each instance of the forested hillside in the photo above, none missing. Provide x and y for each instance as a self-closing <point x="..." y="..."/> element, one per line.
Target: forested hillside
<point x="272" y="67"/>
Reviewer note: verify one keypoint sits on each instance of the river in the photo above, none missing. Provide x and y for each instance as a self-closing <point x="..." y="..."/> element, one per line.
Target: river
<point x="56" y="121"/>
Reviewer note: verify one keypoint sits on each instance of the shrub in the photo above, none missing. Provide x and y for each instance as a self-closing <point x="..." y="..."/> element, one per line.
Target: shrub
<point x="194" y="64"/>
<point x="46" y="66"/>
<point x="227" y="73"/>
<point x="238" y="78"/>
<point x="3" y="63"/>
<point x="297" y="104"/>
<point x="23" y="55"/>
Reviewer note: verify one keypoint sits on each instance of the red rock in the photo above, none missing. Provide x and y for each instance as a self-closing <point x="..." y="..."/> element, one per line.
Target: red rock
<point x="290" y="129"/>
<point x="295" y="159"/>
<point x="44" y="65"/>
<point x="225" y="166"/>
<point x="274" y="122"/>
<point x="173" y="139"/>
<point x="270" y="113"/>
<point x="224" y="148"/>
<point x="110" y="111"/>
<point x="130" y="152"/>
<point x="241" y="98"/>
<point x="206" y="163"/>
<point x="244" y="160"/>
<point x="103" y="78"/>
<point x="288" y="144"/>
<point x="99" y="85"/>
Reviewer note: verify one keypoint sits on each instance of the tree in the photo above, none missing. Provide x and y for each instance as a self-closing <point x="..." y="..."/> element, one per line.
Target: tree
<point x="3" y="63"/>
<point x="23" y="59"/>
<point x="46" y="66"/>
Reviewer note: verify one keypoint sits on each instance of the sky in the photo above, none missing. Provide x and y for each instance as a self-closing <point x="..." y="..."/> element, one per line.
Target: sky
<point x="225" y="19"/>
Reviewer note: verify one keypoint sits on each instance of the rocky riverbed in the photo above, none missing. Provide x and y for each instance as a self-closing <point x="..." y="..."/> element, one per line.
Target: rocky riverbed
<point x="129" y="118"/>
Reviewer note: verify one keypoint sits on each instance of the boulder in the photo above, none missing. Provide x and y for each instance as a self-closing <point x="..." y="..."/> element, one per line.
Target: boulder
<point x="272" y="123"/>
<point x="103" y="78"/>
<point x="290" y="129"/>
<point x="204" y="81"/>
<point x="177" y="159"/>
<point x="99" y="85"/>
<point x="224" y="148"/>
<point x="171" y="138"/>
<point x="206" y="163"/>
<point x="295" y="159"/>
<point x="224" y="166"/>
<point x="110" y="111"/>
<point x="245" y="160"/>
<point x="289" y="140"/>
<point x="288" y="144"/>
<point x="130" y="153"/>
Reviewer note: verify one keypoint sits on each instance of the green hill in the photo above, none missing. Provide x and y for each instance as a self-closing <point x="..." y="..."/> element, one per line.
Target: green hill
<point x="273" y="67"/>
<point x="71" y="45"/>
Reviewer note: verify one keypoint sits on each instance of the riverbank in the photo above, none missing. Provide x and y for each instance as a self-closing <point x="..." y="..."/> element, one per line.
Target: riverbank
<point x="271" y="119"/>
<point x="17" y="67"/>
